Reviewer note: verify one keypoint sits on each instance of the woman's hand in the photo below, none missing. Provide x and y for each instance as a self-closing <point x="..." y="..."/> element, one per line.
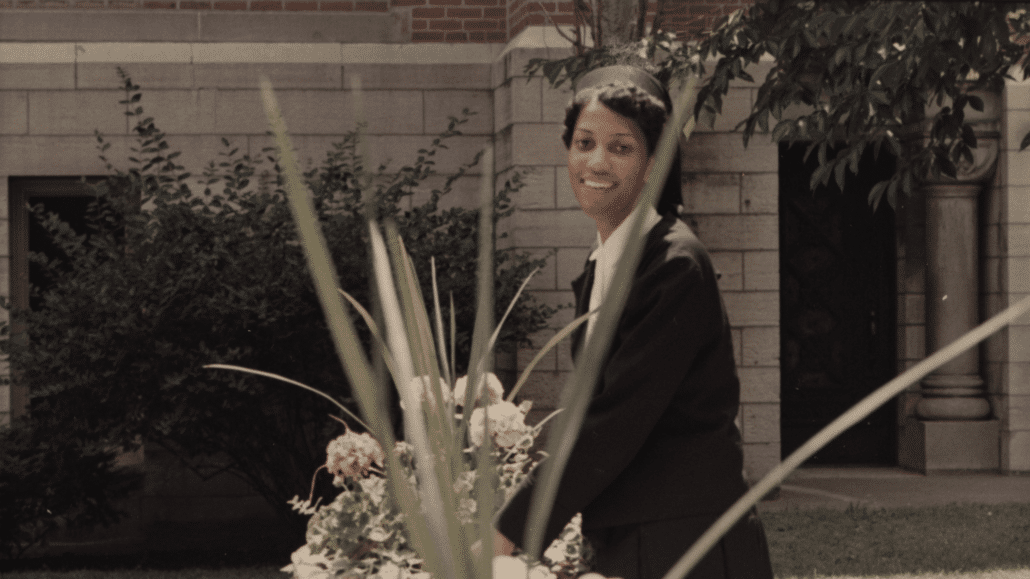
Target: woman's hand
<point x="502" y="546"/>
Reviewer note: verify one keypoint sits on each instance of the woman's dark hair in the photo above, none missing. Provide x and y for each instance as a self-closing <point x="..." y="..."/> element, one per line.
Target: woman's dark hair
<point x="644" y="109"/>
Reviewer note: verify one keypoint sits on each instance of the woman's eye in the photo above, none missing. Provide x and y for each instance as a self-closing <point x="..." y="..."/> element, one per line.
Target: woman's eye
<point x="622" y="149"/>
<point x="583" y="144"/>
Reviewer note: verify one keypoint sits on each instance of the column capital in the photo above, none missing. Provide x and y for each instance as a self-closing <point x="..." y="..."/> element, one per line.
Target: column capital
<point x="986" y="125"/>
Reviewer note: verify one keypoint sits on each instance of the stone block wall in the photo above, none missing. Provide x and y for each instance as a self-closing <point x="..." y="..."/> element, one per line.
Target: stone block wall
<point x="1006" y="280"/>
<point x="731" y="201"/>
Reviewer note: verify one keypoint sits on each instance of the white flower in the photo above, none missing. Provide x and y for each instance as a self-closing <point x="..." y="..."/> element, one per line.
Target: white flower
<point x="465" y="482"/>
<point x="389" y="571"/>
<point x="507" y="567"/>
<point x="375" y="487"/>
<point x="541" y="572"/>
<point x="494" y="389"/>
<point x="304" y="507"/>
<point x="556" y="552"/>
<point x="507" y="425"/>
<point x="379" y="535"/>
<point x="352" y="455"/>
<point x="420" y="386"/>
<point x="307" y="565"/>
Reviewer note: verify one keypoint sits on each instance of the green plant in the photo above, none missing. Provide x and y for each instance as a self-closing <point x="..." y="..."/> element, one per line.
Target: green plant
<point x="49" y="481"/>
<point x="865" y="73"/>
<point x="169" y="279"/>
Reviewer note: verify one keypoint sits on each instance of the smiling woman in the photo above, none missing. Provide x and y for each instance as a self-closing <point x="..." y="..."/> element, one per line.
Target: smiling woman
<point x="658" y="456"/>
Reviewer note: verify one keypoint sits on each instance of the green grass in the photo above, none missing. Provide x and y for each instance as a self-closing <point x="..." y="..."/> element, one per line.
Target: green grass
<point x="870" y="543"/>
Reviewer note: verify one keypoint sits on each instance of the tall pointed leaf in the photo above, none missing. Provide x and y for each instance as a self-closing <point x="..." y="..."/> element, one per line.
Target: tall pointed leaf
<point x="348" y="347"/>
<point x="485" y="268"/>
<point x="438" y="320"/>
<point x="432" y="454"/>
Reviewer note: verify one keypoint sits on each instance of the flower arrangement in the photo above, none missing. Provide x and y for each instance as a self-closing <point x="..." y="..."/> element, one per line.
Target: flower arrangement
<point x="360" y="533"/>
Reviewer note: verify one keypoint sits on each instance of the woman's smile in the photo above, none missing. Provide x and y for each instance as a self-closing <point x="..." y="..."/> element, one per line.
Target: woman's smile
<point x="595" y="184"/>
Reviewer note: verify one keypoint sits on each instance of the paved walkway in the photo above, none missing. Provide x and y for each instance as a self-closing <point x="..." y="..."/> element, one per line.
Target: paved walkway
<point x="839" y="487"/>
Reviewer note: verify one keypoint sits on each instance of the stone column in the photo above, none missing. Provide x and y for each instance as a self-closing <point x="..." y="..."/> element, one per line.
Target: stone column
<point x="953" y="428"/>
<point x="955" y="391"/>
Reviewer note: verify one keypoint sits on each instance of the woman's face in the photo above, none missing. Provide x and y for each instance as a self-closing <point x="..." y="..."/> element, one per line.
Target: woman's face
<point x="608" y="163"/>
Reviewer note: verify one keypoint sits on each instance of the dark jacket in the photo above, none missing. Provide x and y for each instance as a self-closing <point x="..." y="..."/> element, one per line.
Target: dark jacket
<point x="659" y="439"/>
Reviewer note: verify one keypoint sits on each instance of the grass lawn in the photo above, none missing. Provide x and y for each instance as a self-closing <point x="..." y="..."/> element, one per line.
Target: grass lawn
<point x="924" y="541"/>
<point x="952" y="542"/>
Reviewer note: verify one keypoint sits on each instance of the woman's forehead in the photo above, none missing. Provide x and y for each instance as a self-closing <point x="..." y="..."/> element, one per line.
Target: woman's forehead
<point x="596" y="118"/>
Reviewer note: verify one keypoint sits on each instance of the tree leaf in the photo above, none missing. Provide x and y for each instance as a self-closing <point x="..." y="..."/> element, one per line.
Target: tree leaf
<point x="782" y="130"/>
<point x="876" y="194"/>
<point x="968" y="136"/>
<point x="838" y="173"/>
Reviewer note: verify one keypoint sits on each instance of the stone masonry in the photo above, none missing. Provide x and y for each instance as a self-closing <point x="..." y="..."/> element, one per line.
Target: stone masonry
<point x="198" y="71"/>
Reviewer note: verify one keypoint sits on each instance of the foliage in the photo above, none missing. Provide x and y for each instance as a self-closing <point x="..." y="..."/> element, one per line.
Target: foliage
<point x="848" y="76"/>
<point x="168" y="280"/>
<point x="361" y="533"/>
<point x="49" y="480"/>
<point x="865" y="72"/>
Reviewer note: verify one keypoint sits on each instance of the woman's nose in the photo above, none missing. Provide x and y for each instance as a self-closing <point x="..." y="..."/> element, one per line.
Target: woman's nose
<point x="597" y="160"/>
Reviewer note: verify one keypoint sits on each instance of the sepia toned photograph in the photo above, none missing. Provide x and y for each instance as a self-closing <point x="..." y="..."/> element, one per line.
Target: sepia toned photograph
<point x="514" y="289"/>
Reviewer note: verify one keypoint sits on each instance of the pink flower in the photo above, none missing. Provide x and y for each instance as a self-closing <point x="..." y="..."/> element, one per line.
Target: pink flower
<point x="494" y="390"/>
<point x="352" y="455"/>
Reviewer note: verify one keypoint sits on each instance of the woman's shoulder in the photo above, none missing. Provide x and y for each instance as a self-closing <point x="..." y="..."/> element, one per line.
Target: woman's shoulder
<point x="673" y="240"/>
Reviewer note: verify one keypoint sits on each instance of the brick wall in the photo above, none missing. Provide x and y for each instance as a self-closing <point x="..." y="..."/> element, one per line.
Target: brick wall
<point x="450" y="21"/>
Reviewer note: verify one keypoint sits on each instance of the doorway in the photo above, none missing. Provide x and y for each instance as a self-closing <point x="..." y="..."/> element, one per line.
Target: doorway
<point x="837" y="308"/>
<point x="69" y="198"/>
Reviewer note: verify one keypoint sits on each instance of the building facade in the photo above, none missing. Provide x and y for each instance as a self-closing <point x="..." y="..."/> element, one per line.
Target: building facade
<point x="422" y="61"/>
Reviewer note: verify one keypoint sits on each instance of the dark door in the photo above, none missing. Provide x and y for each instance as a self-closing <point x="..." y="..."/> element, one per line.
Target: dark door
<point x="838" y="292"/>
<point x="69" y="198"/>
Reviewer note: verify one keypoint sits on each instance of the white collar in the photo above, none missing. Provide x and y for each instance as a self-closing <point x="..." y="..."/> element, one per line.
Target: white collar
<point x="612" y="249"/>
<point x="607" y="255"/>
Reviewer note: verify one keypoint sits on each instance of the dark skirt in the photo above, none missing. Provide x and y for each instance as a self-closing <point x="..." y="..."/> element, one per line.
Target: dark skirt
<point x="649" y="550"/>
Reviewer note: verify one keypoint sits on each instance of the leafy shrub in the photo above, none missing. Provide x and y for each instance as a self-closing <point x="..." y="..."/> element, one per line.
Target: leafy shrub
<point x="49" y="481"/>
<point x="168" y="280"/>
